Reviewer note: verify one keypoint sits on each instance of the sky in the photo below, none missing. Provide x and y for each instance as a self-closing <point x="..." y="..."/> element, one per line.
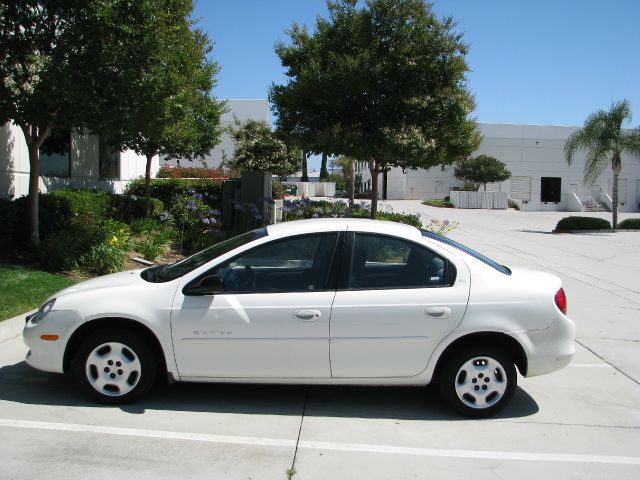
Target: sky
<point x="546" y="62"/>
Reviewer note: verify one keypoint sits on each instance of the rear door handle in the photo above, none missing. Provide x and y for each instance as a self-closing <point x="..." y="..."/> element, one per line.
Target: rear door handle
<point x="307" y="315"/>
<point x="438" y="312"/>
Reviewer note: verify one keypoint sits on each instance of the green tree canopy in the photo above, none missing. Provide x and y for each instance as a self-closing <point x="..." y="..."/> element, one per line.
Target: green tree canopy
<point x="481" y="170"/>
<point x="258" y="148"/>
<point x="604" y="140"/>
<point x="169" y="109"/>
<point x="384" y="83"/>
<point x="47" y="63"/>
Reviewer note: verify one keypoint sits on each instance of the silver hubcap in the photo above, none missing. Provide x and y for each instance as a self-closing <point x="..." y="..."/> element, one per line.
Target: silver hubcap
<point x="113" y="369"/>
<point x="481" y="382"/>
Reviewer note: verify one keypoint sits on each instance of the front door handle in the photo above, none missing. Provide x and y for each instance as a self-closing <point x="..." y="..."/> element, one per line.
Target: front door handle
<point x="438" y="312"/>
<point x="307" y="315"/>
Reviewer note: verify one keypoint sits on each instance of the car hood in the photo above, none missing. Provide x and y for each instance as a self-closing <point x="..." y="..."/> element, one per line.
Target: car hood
<point x="120" y="279"/>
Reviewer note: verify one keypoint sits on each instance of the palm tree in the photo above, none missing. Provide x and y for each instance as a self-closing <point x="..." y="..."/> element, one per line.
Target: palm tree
<point x="348" y="166"/>
<point x="603" y="138"/>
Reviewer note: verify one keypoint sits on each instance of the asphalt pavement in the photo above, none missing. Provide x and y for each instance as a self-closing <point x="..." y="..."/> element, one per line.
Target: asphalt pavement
<point x="582" y="422"/>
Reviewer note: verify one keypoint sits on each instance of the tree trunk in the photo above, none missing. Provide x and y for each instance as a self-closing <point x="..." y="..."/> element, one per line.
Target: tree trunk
<point x="352" y="182"/>
<point x="374" y="188"/>
<point x="615" y="161"/>
<point x="323" y="168"/>
<point x="34" y="137"/>
<point x="147" y="184"/>
<point x="34" y="190"/>
<point x="305" y="175"/>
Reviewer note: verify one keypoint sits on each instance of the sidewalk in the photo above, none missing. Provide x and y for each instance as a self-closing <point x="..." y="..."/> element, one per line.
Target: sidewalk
<point x="12" y="327"/>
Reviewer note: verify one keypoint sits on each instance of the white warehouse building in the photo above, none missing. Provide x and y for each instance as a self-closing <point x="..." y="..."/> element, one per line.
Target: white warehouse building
<point x="540" y="179"/>
<point x="67" y="159"/>
<point x="84" y="161"/>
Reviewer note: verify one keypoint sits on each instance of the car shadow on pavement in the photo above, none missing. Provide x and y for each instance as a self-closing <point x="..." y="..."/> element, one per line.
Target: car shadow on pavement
<point x="22" y="384"/>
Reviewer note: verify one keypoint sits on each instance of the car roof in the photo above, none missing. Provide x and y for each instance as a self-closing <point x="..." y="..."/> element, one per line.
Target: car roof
<point x="298" y="227"/>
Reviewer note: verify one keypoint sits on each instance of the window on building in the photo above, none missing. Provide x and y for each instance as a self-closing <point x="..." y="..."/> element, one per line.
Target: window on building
<point x="108" y="160"/>
<point x="55" y="154"/>
<point x="550" y="188"/>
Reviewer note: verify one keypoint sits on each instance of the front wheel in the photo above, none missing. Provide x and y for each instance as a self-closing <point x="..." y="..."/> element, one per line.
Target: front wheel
<point x="478" y="381"/>
<point x="115" y="366"/>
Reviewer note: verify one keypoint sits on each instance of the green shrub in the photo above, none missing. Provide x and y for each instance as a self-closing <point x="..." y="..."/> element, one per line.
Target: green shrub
<point x="305" y="208"/>
<point x="167" y="190"/>
<point x="438" y="203"/>
<point x="630" y="224"/>
<point x="583" y="223"/>
<point x="152" y="246"/>
<point x="141" y="226"/>
<point x="54" y="214"/>
<point x="102" y="259"/>
<point x="61" y="251"/>
<point x="277" y="190"/>
<point x="115" y="233"/>
<point x="167" y="171"/>
<point x="86" y="206"/>
<point x="131" y="207"/>
<point x="193" y="219"/>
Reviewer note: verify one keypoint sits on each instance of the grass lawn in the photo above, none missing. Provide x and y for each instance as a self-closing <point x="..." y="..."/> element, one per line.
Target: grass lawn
<point x="23" y="289"/>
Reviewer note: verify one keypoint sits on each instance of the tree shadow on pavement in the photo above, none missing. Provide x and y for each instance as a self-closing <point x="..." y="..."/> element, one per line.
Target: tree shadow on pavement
<point x="20" y="383"/>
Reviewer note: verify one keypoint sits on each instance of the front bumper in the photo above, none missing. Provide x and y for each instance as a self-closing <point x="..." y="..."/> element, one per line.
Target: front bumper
<point x="48" y="355"/>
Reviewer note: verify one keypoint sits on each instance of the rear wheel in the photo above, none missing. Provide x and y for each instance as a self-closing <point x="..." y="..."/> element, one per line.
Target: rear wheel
<point x="115" y="366"/>
<point x="478" y="381"/>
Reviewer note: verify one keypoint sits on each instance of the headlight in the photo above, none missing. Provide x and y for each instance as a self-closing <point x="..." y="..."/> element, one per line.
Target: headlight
<point x="44" y="309"/>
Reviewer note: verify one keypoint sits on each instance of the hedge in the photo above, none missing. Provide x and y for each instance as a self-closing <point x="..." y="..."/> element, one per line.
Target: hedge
<point x="630" y="224"/>
<point x="583" y="223"/>
<point x="168" y="189"/>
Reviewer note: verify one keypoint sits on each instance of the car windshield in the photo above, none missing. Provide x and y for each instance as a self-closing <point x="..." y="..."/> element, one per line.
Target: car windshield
<point x="473" y="253"/>
<point x="167" y="273"/>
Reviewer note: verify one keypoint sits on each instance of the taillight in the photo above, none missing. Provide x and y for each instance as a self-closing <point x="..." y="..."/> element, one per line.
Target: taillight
<point x="561" y="301"/>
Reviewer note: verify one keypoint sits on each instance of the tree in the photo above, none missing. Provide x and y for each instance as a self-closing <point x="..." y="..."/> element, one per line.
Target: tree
<point x="170" y="110"/>
<point x="384" y="83"/>
<point x="348" y="167"/>
<point x="50" y="59"/>
<point x="481" y="170"/>
<point x="604" y="141"/>
<point x="258" y="148"/>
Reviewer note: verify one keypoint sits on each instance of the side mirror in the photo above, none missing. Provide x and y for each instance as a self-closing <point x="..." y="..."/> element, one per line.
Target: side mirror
<point x="204" y="286"/>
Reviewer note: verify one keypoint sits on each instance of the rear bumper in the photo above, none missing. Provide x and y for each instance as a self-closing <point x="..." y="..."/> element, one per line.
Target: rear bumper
<point x="550" y="349"/>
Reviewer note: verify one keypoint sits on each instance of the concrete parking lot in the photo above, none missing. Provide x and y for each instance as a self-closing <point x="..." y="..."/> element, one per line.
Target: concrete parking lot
<point x="582" y="422"/>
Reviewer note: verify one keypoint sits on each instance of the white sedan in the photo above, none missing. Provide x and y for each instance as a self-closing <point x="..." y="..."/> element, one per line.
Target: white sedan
<point x="324" y="301"/>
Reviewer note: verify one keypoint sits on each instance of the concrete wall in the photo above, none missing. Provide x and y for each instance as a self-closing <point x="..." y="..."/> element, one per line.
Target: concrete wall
<point x="242" y="110"/>
<point x="530" y="153"/>
<point x="14" y="165"/>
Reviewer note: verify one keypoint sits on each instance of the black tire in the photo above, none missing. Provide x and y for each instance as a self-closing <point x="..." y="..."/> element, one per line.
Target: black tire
<point x="114" y="366"/>
<point x="478" y="381"/>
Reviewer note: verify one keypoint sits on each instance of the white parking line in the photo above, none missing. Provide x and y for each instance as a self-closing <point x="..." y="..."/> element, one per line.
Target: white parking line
<point x="590" y="365"/>
<point x="326" y="446"/>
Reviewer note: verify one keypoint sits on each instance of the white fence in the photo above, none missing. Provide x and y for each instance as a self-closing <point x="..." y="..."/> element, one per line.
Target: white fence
<point x="490" y="200"/>
<point x="314" y="189"/>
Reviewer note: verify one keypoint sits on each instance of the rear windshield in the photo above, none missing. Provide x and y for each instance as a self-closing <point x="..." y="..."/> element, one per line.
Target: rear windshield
<point x="166" y="273"/>
<point x="467" y="250"/>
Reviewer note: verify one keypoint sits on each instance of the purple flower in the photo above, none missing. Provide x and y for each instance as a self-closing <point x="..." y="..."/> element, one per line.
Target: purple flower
<point x="206" y="221"/>
<point x="191" y="205"/>
<point x="164" y="216"/>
